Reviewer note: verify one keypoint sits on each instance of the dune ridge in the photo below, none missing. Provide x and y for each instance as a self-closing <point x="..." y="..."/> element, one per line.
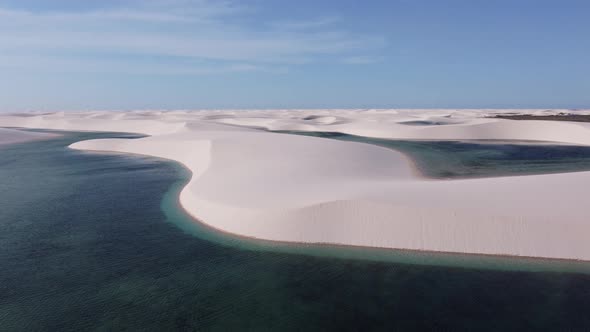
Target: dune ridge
<point x="307" y="189"/>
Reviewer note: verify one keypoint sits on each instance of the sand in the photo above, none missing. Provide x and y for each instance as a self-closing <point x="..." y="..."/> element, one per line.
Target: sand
<point x="307" y="189"/>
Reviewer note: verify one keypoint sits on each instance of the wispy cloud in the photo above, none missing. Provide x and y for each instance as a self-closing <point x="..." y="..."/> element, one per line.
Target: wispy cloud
<point x="361" y="59"/>
<point x="213" y="31"/>
<point x="21" y="17"/>
<point x="69" y="65"/>
<point x="306" y="24"/>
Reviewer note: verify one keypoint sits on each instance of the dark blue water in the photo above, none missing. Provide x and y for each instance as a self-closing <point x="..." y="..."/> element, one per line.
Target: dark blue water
<point x="85" y="245"/>
<point x="479" y="158"/>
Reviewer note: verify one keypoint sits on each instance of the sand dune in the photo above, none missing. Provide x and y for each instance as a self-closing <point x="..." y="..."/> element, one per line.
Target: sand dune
<point x="306" y="189"/>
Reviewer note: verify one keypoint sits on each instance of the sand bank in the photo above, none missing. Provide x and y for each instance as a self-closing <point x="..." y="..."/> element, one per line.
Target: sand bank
<point x="308" y="189"/>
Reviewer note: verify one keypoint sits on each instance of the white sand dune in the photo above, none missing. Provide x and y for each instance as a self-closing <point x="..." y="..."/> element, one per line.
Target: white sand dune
<point x="306" y="189"/>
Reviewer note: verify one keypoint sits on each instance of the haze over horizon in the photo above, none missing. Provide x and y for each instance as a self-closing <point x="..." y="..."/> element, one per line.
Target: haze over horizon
<point x="182" y="54"/>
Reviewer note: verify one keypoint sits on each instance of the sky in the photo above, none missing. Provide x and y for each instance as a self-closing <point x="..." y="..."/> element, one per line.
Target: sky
<point x="205" y="54"/>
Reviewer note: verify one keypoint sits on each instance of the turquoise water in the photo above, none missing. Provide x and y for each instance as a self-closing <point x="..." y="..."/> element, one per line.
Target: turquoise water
<point x="90" y="241"/>
<point x="479" y="158"/>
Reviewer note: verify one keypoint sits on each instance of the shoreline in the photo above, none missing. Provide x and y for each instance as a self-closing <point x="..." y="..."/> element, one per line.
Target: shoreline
<point x="196" y="219"/>
<point x="517" y="259"/>
<point x="345" y="193"/>
<point x="422" y="173"/>
<point x="377" y="254"/>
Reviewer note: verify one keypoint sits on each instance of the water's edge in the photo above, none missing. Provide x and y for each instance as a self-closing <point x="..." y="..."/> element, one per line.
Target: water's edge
<point x="98" y="241"/>
<point x="177" y="215"/>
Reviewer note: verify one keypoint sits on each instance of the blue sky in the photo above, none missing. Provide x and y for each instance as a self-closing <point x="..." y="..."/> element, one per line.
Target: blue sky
<point x="183" y="54"/>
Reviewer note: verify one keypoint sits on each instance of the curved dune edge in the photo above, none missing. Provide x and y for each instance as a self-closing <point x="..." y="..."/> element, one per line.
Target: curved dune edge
<point x="305" y="189"/>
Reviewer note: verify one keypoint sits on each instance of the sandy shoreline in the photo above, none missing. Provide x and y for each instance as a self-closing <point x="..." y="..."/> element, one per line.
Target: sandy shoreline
<point x="304" y="189"/>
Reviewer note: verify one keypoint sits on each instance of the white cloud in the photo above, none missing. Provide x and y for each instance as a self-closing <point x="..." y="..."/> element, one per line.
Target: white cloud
<point x="20" y="17"/>
<point x="305" y="25"/>
<point x="61" y="65"/>
<point x="361" y="59"/>
<point x="172" y="28"/>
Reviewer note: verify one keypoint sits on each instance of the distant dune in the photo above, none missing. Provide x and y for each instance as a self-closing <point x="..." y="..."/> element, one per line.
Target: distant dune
<point x="306" y="189"/>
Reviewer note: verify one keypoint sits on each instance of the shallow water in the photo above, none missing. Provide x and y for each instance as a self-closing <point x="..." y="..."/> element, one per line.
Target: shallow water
<point x="87" y="243"/>
<point x="480" y="158"/>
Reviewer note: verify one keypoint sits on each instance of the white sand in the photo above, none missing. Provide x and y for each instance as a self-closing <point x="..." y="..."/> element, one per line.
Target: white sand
<point x="306" y="189"/>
